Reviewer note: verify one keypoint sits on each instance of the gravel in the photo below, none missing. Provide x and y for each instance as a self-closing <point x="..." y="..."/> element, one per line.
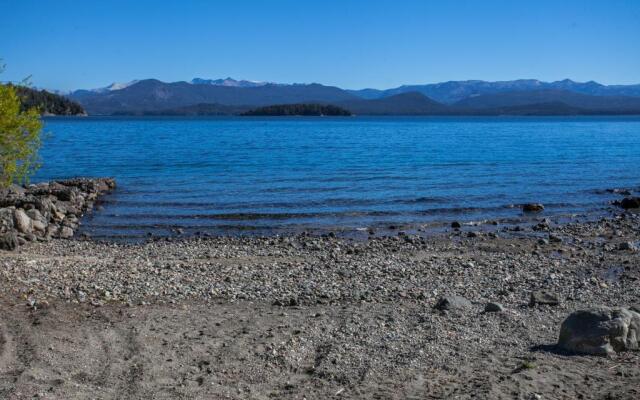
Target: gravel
<point x="363" y="310"/>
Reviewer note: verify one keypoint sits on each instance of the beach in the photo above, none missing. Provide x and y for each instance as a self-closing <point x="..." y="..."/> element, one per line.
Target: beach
<point x="307" y="316"/>
<point x="286" y="200"/>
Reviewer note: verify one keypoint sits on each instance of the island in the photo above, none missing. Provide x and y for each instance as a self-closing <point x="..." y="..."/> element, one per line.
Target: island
<point x="315" y="110"/>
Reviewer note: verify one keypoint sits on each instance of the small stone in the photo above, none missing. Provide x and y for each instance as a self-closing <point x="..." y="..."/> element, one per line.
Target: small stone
<point x="554" y="238"/>
<point x="448" y="303"/>
<point x="456" y="225"/>
<point x="627" y="246"/>
<point x="542" y="297"/>
<point x="81" y="296"/>
<point x="493" y="307"/>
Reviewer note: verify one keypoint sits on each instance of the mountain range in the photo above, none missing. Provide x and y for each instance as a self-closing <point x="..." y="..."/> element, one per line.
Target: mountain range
<point x="229" y="96"/>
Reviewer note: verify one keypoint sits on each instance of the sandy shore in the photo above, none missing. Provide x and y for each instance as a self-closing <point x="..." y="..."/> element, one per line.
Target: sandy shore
<point x="315" y="317"/>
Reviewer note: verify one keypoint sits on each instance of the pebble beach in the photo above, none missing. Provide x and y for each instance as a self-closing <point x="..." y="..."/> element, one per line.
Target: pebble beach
<point x="449" y="315"/>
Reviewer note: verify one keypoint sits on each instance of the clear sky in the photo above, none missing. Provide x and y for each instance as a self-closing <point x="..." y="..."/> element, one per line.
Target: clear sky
<point x="353" y="44"/>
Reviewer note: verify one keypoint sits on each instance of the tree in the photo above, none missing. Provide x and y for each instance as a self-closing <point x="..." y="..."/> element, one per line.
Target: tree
<point x="19" y="138"/>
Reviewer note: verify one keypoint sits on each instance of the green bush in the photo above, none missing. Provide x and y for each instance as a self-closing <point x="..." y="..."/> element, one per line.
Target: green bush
<point x="19" y="138"/>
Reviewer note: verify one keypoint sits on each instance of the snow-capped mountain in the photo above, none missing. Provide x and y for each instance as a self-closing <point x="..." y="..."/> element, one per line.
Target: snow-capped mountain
<point x="227" y="82"/>
<point x="115" y="86"/>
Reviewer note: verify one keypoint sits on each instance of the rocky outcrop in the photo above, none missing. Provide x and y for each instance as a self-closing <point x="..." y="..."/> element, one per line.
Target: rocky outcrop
<point x="601" y="331"/>
<point x="47" y="210"/>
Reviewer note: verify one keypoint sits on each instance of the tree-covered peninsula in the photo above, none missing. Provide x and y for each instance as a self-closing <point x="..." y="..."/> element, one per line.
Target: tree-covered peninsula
<point x="47" y="103"/>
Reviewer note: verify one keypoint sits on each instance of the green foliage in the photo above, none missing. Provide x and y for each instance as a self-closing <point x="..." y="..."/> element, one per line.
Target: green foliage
<point x="299" y="109"/>
<point x="47" y="103"/>
<point x="19" y="138"/>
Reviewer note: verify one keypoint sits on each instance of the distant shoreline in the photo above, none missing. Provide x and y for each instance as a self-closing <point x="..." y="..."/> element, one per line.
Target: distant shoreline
<point x="247" y="117"/>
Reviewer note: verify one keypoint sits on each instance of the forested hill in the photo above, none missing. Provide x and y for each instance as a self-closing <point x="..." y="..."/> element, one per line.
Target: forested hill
<point x="48" y="103"/>
<point x="299" y="109"/>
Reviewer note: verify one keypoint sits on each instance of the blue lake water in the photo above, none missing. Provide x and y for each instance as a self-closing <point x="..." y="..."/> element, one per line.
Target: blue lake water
<point x="250" y="175"/>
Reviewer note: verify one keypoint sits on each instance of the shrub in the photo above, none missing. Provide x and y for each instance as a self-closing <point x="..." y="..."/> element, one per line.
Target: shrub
<point x="19" y="138"/>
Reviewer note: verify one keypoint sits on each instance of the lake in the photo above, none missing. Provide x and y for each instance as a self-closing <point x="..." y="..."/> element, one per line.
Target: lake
<point x="265" y="175"/>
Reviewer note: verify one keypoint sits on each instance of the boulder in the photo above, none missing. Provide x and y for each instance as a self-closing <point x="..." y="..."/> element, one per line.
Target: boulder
<point x="601" y="331"/>
<point x="6" y="219"/>
<point x="39" y="226"/>
<point x="65" y="232"/>
<point x="45" y="205"/>
<point x="541" y="297"/>
<point x="9" y="241"/>
<point x="532" y="207"/>
<point x="456" y="225"/>
<point x="35" y="215"/>
<point x="22" y="221"/>
<point x="448" y="303"/>
<point x="630" y="202"/>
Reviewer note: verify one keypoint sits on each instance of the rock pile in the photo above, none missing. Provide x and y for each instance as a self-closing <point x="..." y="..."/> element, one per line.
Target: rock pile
<point x="46" y="210"/>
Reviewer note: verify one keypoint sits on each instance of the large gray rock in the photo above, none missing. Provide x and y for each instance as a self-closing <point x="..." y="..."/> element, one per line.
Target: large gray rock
<point x="39" y="226"/>
<point x="66" y="232"/>
<point x="22" y="221"/>
<point x="6" y="219"/>
<point x="35" y="215"/>
<point x="601" y="331"/>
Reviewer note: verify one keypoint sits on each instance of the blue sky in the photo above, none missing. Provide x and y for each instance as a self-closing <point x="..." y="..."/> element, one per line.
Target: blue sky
<point x="350" y="43"/>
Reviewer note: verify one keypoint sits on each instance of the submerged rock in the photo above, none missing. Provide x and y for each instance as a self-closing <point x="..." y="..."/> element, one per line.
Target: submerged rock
<point x="532" y="207"/>
<point x="629" y="202"/>
<point x="600" y="331"/>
